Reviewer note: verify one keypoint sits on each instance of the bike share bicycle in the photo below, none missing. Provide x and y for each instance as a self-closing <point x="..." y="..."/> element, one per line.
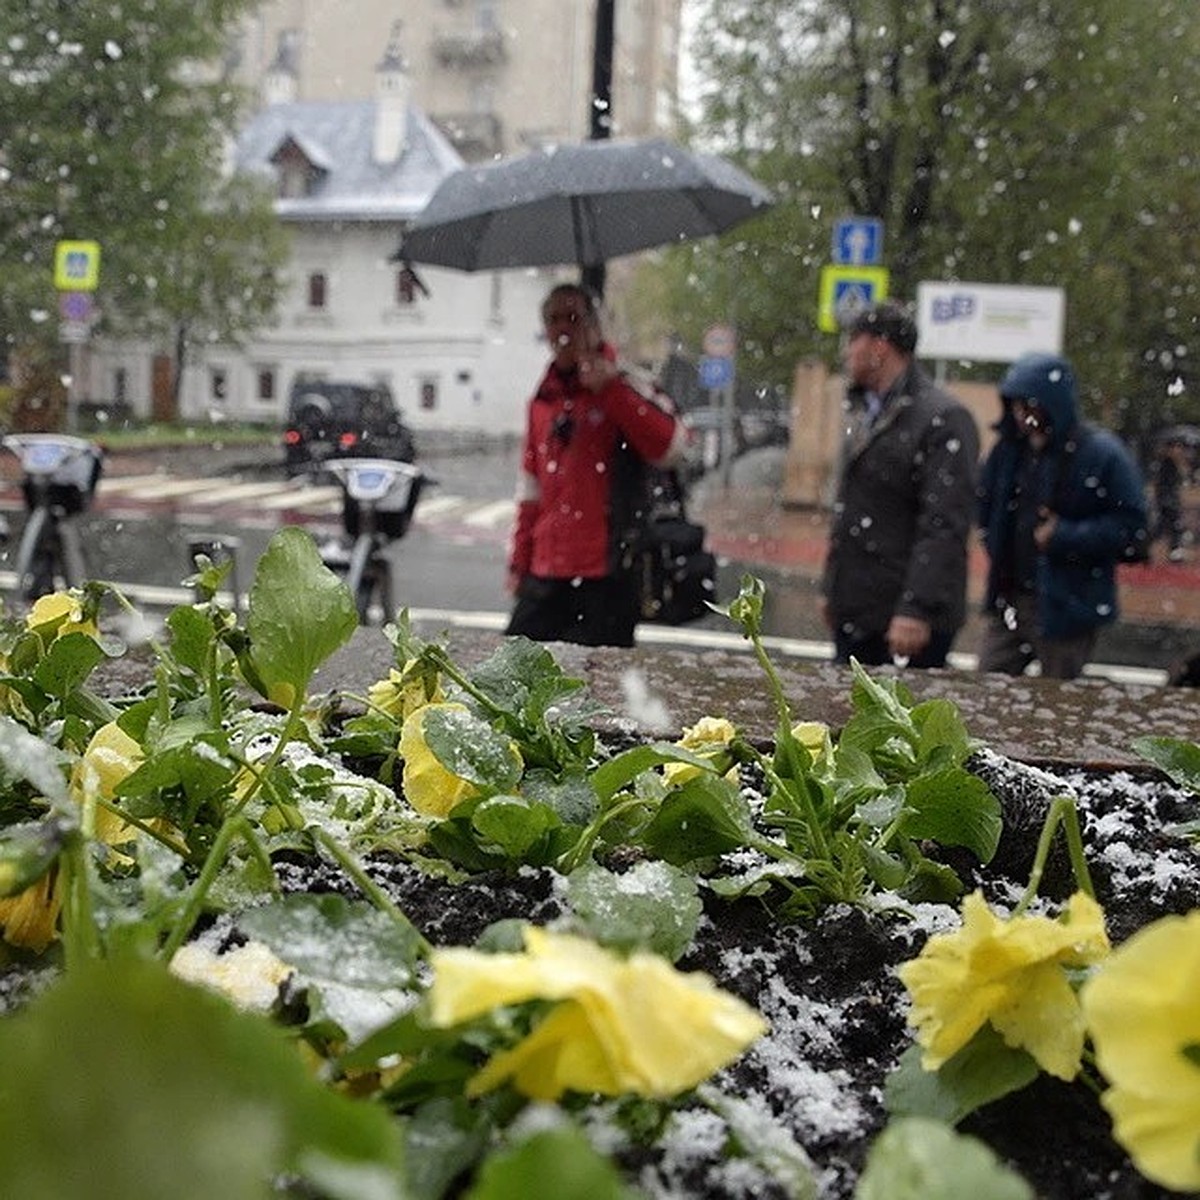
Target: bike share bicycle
<point x="61" y="474"/>
<point x="379" y="497"/>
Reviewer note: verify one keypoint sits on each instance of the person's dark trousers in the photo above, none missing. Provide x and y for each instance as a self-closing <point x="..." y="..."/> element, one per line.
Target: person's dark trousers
<point x="871" y="650"/>
<point x="588" y="612"/>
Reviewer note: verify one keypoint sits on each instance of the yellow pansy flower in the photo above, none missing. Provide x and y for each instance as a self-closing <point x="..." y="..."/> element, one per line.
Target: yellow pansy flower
<point x="710" y="737"/>
<point x="1008" y="973"/>
<point x="428" y="786"/>
<point x="623" y="1025"/>
<point x="59" y="613"/>
<point x="1142" y="1009"/>
<point x="29" y="918"/>
<point x="403" y="692"/>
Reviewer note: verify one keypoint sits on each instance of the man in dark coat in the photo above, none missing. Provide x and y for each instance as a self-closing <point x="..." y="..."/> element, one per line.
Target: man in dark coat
<point x="895" y="581"/>
<point x="1060" y="504"/>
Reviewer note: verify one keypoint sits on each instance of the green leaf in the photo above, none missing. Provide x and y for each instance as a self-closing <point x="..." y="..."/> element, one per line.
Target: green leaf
<point x="69" y="661"/>
<point x="922" y="1159"/>
<point x="513" y="823"/>
<point x="199" y="768"/>
<point x="942" y="736"/>
<point x="517" y="669"/>
<point x="148" y="1057"/>
<point x="563" y="1163"/>
<point x="445" y="1138"/>
<point x="1178" y="759"/>
<point x="887" y="871"/>
<point x="705" y="817"/>
<point x="470" y="748"/>
<point x="330" y="938"/>
<point x="192" y="636"/>
<point x="26" y="756"/>
<point x="300" y="613"/>
<point x="653" y="906"/>
<point x="985" y="1069"/>
<point x="609" y="778"/>
<point x="954" y="808"/>
<point x="930" y="882"/>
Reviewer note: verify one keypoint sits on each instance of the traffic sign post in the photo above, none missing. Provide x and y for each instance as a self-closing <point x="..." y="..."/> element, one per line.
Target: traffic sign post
<point x="76" y="276"/>
<point x="846" y="291"/>
<point x="716" y="373"/>
<point x="858" y="242"/>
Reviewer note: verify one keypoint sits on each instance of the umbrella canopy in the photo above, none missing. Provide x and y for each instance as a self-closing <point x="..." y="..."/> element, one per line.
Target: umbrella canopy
<point x="581" y="204"/>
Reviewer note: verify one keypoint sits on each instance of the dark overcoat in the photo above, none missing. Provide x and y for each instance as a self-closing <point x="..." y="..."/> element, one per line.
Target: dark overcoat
<point x="904" y="512"/>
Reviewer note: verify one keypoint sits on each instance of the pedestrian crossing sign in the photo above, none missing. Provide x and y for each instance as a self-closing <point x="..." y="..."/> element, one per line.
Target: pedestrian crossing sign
<point x="76" y="266"/>
<point x="845" y="291"/>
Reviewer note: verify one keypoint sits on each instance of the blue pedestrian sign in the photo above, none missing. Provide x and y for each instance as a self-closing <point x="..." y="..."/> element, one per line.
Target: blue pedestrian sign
<point x="715" y="372"/>
<point x="858" y="241"/>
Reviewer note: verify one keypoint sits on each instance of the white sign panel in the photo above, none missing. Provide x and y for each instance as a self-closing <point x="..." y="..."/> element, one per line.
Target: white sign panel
<point x="988" y="322"/>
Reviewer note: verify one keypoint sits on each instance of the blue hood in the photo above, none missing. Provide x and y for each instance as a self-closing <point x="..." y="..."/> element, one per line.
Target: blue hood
<point x="1049" y="380"/>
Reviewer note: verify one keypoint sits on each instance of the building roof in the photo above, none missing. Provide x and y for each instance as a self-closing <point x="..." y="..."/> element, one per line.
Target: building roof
<point x="337" y="137"/>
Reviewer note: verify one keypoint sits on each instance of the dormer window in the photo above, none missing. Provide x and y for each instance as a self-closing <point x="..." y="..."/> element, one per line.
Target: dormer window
<point x="299" y="168"/>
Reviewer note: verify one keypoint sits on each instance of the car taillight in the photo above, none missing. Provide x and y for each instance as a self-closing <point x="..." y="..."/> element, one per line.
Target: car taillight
<point x="347" y="440"/>
<point x="291" y="437"/>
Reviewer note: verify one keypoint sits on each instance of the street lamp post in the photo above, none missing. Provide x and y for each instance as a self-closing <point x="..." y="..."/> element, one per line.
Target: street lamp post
<point x="600" y="113"/>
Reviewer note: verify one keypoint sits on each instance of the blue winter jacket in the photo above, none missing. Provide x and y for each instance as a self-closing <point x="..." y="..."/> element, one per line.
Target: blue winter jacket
<point x="1090" y="480"/>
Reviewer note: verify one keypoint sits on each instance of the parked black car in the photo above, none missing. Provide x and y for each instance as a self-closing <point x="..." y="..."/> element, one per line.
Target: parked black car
<point x="336" y="420"/>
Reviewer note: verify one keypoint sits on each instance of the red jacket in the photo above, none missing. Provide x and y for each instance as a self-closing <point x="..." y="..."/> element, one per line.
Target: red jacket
<point x="571" y="438"/>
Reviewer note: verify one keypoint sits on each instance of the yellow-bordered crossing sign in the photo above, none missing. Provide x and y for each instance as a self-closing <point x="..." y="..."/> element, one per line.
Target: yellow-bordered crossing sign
<point x="847" y="290"/>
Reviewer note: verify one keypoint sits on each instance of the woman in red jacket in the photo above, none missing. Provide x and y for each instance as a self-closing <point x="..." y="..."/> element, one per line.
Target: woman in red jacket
<point x="566" y="561"/>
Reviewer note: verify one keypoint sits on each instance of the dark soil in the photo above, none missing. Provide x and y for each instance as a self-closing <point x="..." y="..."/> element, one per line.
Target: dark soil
<point x="837" y="1010"/>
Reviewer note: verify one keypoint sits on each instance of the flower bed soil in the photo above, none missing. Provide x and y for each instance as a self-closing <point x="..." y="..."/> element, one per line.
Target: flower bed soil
<point x="836" y="1007"/>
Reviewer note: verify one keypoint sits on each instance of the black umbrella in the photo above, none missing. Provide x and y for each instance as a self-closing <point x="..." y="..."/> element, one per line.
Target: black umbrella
<point x="582" y="204"/>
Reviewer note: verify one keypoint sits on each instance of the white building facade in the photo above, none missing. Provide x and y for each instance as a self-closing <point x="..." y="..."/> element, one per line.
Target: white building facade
<point x="456" y="350"/>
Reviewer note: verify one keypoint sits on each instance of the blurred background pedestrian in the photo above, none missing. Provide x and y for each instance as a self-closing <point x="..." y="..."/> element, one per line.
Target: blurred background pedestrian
<point x="566" y="562"/>
<point x="895" y="579"/>
<point x="1169" y="471"/>
<point x="1060" y="504"/>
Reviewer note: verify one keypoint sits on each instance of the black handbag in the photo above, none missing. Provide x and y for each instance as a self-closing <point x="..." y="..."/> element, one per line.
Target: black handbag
<point x="676" y="577"/>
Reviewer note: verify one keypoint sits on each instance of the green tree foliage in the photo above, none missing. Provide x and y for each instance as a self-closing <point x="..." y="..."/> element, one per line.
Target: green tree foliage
<point x="115" y="128"/>
<point x="1013" y="141"/>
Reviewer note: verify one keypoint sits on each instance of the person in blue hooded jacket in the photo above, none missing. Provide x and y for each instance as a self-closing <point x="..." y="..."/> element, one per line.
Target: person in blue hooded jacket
<point x="1061" y="503"/>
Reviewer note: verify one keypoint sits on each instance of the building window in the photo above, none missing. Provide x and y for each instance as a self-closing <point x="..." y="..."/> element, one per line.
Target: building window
<point x="120" y="385"/>
<point x="429" y="394"/>
<point x="218" y="384"/>
<point x="409" y="286"/>
<point x="266" y="384"/>
<point x="317" y="290"/>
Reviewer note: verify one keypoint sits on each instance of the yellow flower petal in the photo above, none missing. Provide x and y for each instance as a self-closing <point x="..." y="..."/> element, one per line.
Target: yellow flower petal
<point x="814" y="737"/>
<point x="1142" y="1008"/>
<point x="60" y="613"/>
<point x="625" y="1026"/>
<point x="30" y="918"/>
<point x="1003" y="971"/>
<point x="710" y="736"/>
<point x="402" y="693"/>
<point x="110" y="756"/>
<point x="428" y="786"/>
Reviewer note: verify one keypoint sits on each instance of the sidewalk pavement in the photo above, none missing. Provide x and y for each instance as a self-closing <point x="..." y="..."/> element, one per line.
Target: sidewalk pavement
<point x="747" y="523"/>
